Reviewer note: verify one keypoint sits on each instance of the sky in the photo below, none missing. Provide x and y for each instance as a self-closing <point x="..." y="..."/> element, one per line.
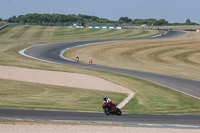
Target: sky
<point x="171" y="10"/>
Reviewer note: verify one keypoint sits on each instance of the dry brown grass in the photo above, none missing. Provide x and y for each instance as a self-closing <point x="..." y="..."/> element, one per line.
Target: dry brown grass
<point x="177" y="57"/>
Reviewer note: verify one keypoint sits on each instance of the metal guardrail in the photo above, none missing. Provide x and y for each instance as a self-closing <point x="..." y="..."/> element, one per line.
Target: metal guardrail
<point x="4" y="26"/>
<point x="97" y="27"/>
<point x="104" y="27"/>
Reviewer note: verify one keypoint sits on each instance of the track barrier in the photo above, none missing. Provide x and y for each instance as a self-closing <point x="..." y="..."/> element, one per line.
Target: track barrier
<point x="4" y="26"/>
<point x="104" y="27"/>
<point x="98" y="27"/>
<point x="77" y="26"/>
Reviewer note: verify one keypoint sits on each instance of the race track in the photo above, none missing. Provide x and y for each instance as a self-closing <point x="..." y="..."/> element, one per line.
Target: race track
<point x="52" y="53"/>
<point x="180" y="121"/>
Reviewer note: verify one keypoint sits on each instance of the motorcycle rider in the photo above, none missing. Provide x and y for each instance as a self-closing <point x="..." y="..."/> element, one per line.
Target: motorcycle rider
<point x="90" y="60"/>
<point x="107" y="100"/>
<point x="109" y="107"/>
<point x="77" y="58"/>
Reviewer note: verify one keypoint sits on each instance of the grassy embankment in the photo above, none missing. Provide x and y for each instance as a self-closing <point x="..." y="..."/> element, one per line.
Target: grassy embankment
<point x="149" y="96"/>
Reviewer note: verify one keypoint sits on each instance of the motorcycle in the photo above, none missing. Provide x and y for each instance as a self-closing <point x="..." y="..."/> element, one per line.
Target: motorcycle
<point x="90" y="61"/>
<point x="111" y="109"/>
<point x="76" y="60"/>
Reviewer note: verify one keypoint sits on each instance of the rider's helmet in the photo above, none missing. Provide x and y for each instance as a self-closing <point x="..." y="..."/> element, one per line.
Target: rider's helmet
<point x="105" y="98"/>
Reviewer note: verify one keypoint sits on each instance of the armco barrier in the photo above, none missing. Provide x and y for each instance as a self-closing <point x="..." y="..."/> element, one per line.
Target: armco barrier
<point x="77" y="26"/>
<point x="104" y="27"/>
<point x="4" y="26"/>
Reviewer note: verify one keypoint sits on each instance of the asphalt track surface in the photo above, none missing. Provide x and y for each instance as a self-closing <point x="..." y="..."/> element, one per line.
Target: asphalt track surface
<point x="52" y="53"/>
<point x="181" y="121"/>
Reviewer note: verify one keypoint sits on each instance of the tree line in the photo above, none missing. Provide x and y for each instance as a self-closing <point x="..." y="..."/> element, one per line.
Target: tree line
<point x="86" y="20"/>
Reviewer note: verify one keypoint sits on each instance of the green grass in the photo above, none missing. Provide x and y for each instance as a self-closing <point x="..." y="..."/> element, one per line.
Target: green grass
<point x="40" y="32"/>
<point x="149" y="98"/>
<point x="5" y="30"/>
<point x="153" y="98"/>
<point x="20" y="32"/>
<point x="17" y="94"/>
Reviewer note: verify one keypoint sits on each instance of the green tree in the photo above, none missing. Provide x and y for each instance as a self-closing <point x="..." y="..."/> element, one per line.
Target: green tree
<point x="63" y="19"/>
<point x="188" y="21"/>
<point x="125" y="19"/>
<point x="161" y="22"/>
<point x="151" y="21"/>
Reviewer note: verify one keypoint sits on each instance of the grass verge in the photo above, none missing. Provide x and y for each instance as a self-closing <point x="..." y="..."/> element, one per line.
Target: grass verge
<point x="16" y="94"/>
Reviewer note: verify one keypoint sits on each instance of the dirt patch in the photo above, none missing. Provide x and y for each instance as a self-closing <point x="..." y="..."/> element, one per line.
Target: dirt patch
<point x="59" y="78"/>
